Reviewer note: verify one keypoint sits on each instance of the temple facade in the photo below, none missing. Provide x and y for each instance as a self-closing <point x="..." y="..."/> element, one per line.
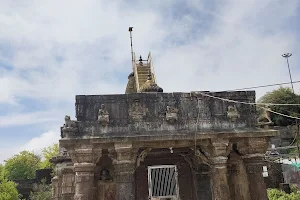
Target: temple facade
<point x="146" y="144"/>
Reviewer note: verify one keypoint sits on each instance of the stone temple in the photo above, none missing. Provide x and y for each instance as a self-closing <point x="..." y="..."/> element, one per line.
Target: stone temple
<point x="147" y="144"/>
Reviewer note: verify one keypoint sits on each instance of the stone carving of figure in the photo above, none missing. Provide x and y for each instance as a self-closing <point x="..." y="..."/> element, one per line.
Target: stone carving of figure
<point x="171" y="114"/>
<point x="69" y="127"/>
<point x="105" y="176"/>
<point x="265" y="116"/>
<point x="137" y="111"/>
<point x="103" y="115"/>
<point x="232" y="113"/>
<point x="68" y="122"/>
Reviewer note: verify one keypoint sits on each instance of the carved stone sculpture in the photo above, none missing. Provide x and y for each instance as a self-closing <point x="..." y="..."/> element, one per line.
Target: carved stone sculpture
<point x="69" y="128"/>
<point x="264" y="118"/>
<point x="105" y="175"/>
<point x="103" y="116"/>
<point x="137" y="111"/>
<point x="171" y="114"/>
<point x="69" y="123"/>
<point x="232" y="113"/>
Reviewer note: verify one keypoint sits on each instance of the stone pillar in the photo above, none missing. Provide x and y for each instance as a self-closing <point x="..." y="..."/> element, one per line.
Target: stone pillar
<point x="56" y="183"/>
<point x="68" y="183"/>
<point x="124" y="170"/>
<point x="85" y="158"/>
<point x="55" y="187"/>
<point x="124" y="178"/>
<point x="238" y="178"/>
<point x="254" y="166"/>
<point x="84" y="181"/>
<point x="220" y="187"/>
<point x="253" y="151"/>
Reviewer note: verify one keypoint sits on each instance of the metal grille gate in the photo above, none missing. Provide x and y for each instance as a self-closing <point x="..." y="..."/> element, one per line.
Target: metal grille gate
<point x="163" y="182"/>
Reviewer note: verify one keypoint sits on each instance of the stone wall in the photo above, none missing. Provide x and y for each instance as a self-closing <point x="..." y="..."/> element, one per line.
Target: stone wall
<point x="168" y="112"/>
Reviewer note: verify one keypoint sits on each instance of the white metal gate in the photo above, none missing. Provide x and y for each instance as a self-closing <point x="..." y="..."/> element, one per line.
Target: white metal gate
<point x="163" y="182"/>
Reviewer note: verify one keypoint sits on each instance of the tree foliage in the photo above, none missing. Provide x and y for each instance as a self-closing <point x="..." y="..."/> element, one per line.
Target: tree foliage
<point x="48" y="153"/>
<point x="282" y="96"/>
<point x="275" y="194"/>
<point x="22" y="166"/>
<point x="1" y="171"/>
<point x="41" y="191"/>
<point x="8" y="190"/>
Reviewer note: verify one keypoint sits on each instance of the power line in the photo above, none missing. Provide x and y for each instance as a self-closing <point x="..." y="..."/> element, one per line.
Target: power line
<point x="261" y="86"/>
<point x="248" y="103"/>
<point x="256" y="104"/>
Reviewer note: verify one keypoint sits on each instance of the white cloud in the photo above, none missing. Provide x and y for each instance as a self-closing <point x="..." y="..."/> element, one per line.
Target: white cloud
<point x="61" y="47"/>
<point x="42" y="141"/>
<point x="36" y="145"/>
<point x="29" y="118"/>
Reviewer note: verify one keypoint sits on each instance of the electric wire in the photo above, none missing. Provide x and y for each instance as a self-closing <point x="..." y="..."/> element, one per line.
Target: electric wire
<point x="249" y="103"/>
<point x="261" y="86"/>
<point x="254" y="104"/>
<point x="257" y="105"/>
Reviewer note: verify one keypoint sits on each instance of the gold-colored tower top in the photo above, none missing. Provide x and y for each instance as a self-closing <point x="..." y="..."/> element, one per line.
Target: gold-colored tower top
<point x="142" y="79"/>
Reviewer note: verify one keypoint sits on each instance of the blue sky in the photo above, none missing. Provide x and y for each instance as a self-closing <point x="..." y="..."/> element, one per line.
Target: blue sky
<point x="52" y="50"/>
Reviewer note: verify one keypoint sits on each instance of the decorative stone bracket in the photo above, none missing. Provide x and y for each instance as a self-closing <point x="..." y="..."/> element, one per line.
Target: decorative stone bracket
<point x="85" y="155"/>
<point x="123" y="153"/>
<point x="141" y="157"/>
<point x="252" y="146"/>
<point x="220" y="147"/>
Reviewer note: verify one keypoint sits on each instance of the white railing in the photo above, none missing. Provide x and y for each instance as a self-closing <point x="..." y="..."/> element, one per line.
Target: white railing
<point x="135" y="73"/>
<point x="151" y="67"/>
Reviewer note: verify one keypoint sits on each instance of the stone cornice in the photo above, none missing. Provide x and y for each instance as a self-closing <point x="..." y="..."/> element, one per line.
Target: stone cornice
<point x="175" y="136"/>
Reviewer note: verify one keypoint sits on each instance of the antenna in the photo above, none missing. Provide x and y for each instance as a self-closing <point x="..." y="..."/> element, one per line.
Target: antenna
<point x="130" y="30"/>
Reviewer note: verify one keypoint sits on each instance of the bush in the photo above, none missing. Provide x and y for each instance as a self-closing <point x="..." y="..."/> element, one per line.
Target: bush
<point x="275" y="194"/>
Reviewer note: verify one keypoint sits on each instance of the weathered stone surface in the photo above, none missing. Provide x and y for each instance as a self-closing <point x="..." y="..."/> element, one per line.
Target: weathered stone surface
<point x="136" y="131"/>
<point x="133" y="113"/>
<point x="124" y="161"/>
<point x="254" y="166"/>
<point x="84" y="181"/>
<point x="238" y="179"/>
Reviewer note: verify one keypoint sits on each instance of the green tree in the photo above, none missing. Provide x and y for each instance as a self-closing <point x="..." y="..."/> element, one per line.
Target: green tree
<point x="1" y="171"/>
<point x="22" y="166"/>
<point x="41" y="191"/>
<point x="48" y="153"/>
<point x="282" y="96"/>
<point x="8" y="190"/>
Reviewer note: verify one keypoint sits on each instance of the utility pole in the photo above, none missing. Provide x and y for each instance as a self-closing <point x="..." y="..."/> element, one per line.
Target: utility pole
<point x="130" y="30"/>
<point x="287" y="55"/>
